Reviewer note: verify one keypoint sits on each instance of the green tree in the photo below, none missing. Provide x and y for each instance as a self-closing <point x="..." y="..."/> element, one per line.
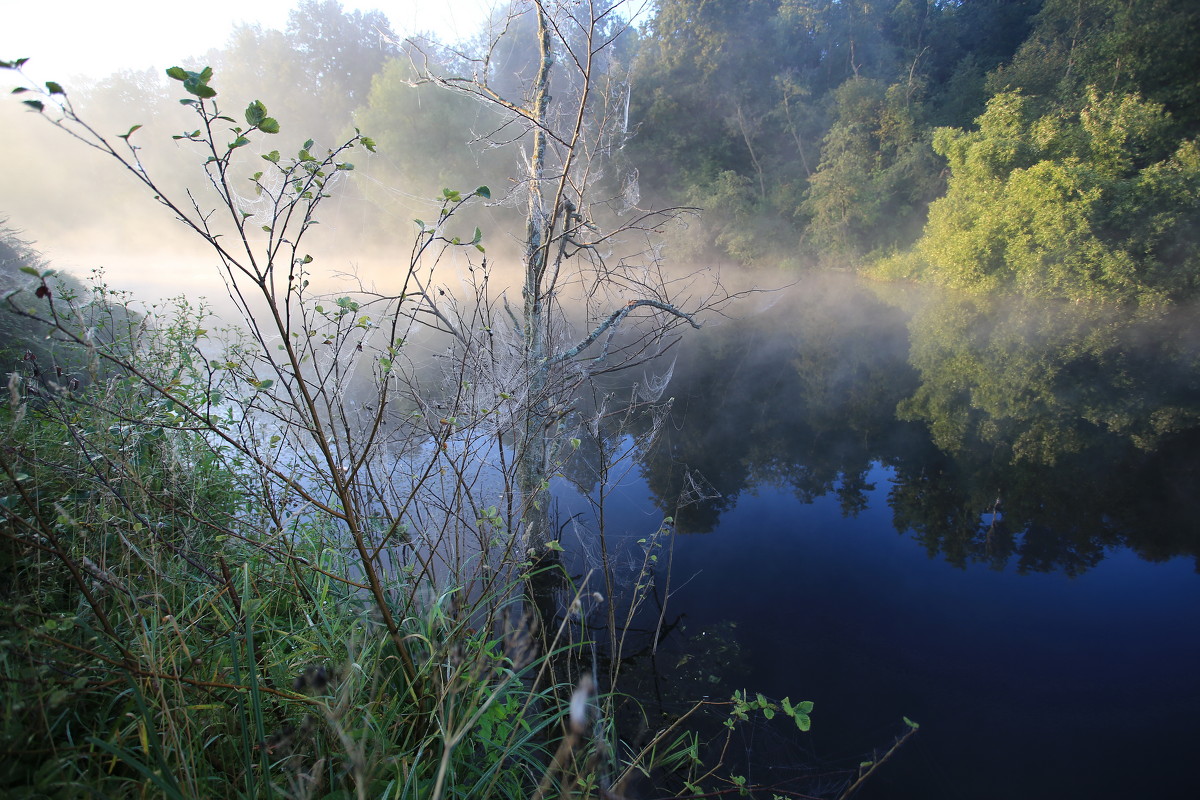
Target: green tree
<point x="1094" y="204"/>
<point x="876" y="175"/>
<point x="1145" y="47"/>
<point x="319" y="68"/>
<point x="429" y="139"/>
<point x="801" y="127"/>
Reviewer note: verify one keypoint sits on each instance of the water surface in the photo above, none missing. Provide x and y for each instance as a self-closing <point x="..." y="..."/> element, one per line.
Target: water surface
<point x="982" y="518"/>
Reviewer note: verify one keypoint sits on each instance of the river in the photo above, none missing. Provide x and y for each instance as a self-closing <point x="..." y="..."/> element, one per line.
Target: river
<point x="979" y="515"/>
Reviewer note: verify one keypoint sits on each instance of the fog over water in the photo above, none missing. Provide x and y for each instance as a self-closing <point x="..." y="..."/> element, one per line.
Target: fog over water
<point x="978" y="511"/>
<point x="1002" y="572"/>
<point x="786" y="410"/>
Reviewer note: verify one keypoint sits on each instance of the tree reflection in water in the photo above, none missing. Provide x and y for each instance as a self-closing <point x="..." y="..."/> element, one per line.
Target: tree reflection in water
<point x="1037" y="433"/>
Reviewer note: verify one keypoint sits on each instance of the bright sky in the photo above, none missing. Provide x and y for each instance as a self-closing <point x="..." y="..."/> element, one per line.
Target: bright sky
<point x="66" y="38"/>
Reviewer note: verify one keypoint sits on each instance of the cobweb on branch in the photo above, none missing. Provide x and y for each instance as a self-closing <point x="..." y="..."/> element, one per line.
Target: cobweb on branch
<point x="696" y="489"/>
<point x="652" y="386"/>
<point x="631" y="193"/>
<point x="261" y="208"/>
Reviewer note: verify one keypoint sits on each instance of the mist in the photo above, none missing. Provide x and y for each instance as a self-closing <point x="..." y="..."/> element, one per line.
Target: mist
<point x="913" y="365"/>
<point x="84" y="212"/>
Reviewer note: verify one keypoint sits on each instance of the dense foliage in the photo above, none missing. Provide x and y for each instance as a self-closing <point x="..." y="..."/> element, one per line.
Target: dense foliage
<point x="811" y="130"/>
<point x="803" y="127"/>
<point x="1086" y="204"/>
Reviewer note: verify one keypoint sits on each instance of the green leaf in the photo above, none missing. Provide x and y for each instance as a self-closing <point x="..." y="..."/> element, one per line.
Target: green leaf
<point x="194" y="82"/>
<point x="256" y="112"/>
<point x="478" y="236"/>
<point x="555" y="546"/>
<point x="129" y="133"/>
<point x="484" y="192"/>
<point x="269" y="125"/>
<point x="240" y="141"/>
<point x="272" y="156"/>
<point x="54" y="88"/>
<point x="201" y="90"/>
<point x="30" y="271"/>
<point x="910" y="723"/>
<point x="308" y="144"/>
<point x="36" y="105"/>
<point x="19" y="89"/>
<point x="805" y="706"/>
<point x="368" y="143"/>
<point x="420" y="223"/>
<point x="803" y="722"/>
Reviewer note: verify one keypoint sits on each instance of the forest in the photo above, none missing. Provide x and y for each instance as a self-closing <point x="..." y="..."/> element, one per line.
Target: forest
<point x="1042" y="148"/>
<point x="316" y="542"/>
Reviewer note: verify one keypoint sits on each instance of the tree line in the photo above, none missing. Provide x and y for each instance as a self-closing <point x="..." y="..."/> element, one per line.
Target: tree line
<point x="1041" y="146"/>
<point x="1044" y="147"/>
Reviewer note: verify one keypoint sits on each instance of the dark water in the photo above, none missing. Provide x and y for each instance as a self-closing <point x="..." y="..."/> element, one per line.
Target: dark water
<point x="983" y="518"/>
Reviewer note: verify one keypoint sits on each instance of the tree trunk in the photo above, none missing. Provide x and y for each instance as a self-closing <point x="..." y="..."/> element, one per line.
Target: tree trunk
<point x="533" y="450"/>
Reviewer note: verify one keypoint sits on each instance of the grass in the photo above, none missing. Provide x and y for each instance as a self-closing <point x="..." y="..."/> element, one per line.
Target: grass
<point x="164" y="640"/>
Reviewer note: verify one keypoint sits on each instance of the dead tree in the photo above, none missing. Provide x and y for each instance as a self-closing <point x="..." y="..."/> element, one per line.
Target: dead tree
<point x="585" y="236"/>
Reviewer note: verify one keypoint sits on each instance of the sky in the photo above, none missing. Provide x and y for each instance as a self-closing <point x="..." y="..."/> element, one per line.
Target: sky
<point x="75" y="42"/>
<point x="65" y="209"/>
<point x="69" y="38"/>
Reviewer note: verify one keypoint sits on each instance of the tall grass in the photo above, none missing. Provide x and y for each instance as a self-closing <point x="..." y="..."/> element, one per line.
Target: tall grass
<point x="165" y="637"/>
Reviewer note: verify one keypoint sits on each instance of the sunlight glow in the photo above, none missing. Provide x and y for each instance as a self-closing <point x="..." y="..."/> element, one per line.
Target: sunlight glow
<point x="94" y="39"/>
